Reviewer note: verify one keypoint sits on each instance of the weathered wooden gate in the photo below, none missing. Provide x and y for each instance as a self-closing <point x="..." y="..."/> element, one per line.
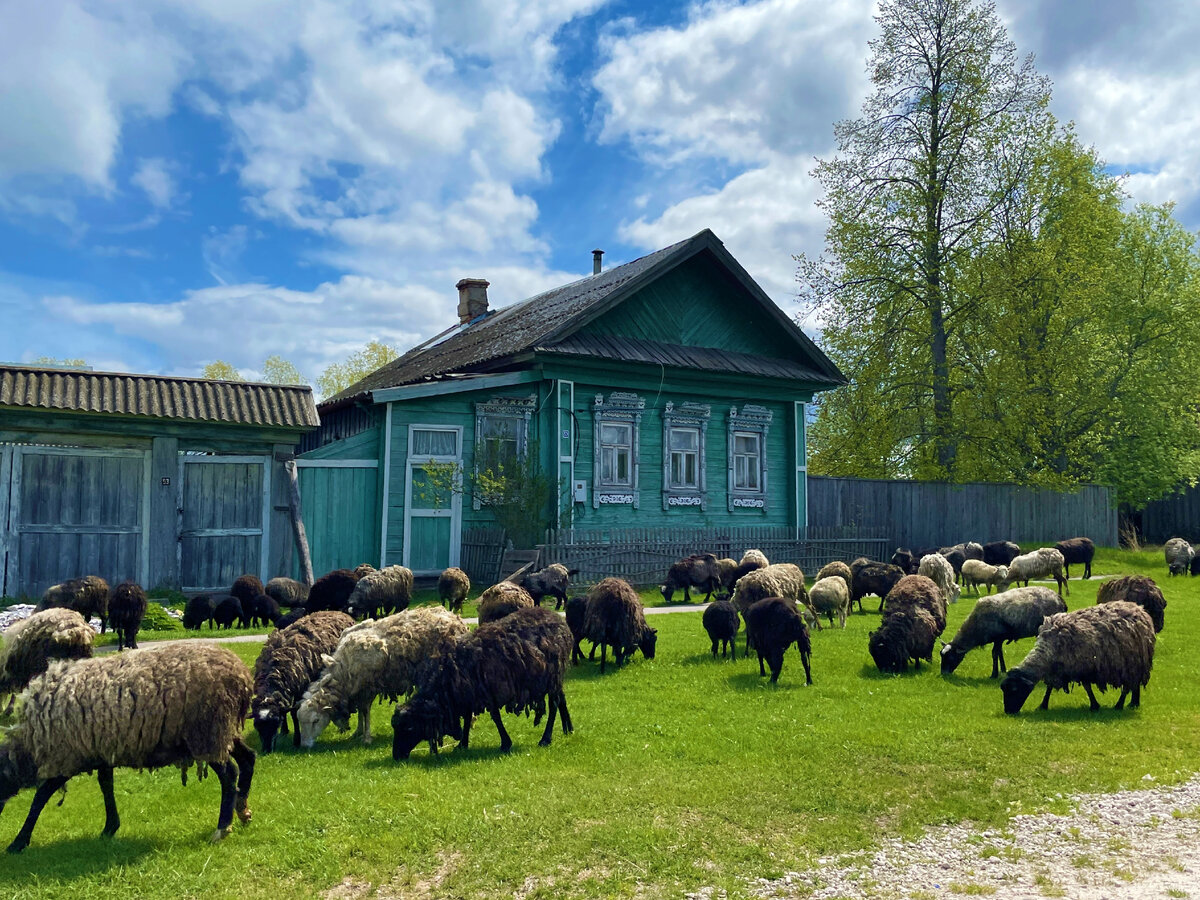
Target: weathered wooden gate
<point x="68" y="512"/>
<point x="224" y="508"/>
<point x="339" y="498"/>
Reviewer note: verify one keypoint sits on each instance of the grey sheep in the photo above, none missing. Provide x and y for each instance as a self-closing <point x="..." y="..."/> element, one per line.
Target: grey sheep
<point x="31" y="644"/>
<point x="754" y="557"/>
<point x="88" y="596"/>
<point x="1137" y="589"/>
<point x="914" y="616"/>
<point x="381" y="592"/>
<point x="1179" y="555"/>
<point x="721" y="621"/>
<point x="1108" y="644"/>
<point x="1010" y="616"/>
<point x="515" y="664"/>
<point x="976" y="572"/>
<point x="700" y="572"/>
<point x="454" y="587"/>
<point x="551" y="581"/>
<point x="126" y="609"/>
<point x="840" y="569"/>
<point x="287" y="592"/>
<point x="774" y="624"/>
<point x="615" y="618"/>
<point x="375" y="658"/>
<point x="1041" y="563"/>
<point x="167" y="706"/>
<point x="830" y="596"/>
<point x="289" y="662"/>
<point x="502" y="599"/>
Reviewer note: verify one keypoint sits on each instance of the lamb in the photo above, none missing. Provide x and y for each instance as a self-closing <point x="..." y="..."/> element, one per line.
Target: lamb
<point x="453" y="589"/>
<point x="31" y="644"/>
<point x="976" y="572"/>
<point x="1000" y="553"/>
<point x="290" y="661"/>
<point x="700" y="572"/>
<point x="227" y="609"/>
<point x="287" y="592"/>
<point x="88" y="596"/>
<point x="126" y="610"/>
<point x="1039" y="564"/>
<point x="551" y="581"/>
<point x="938" y="568"/>
<point x="1078" y="550"/>
<point x="381" y="592"/>
<point x="263" y="610"/>
<point x="1136" y="589"/>
<point x="615" y="619"/>
<point x="174" y="705"/>
<point x="331" y="591"/>
<point x="874" y="578"/>
<point x="914" y="615"/>
<point x="830" y="596"/>
<point x="199" y="610"/>
<point x="838" y="568"/>
<point x="721" y="622"/>
<point x="376" y="657"/>
<point x="501" y="599"/>
<point x="1179" y="555"/>
<point x="1107" y="644"/>
<point x="515" y="664"/>
<point x="246" y="588"/>
<point x="756" y="557"/>
<point x="1017" y="614"/>
<point x="576" y="615"/>
<point x="774" y="624"/>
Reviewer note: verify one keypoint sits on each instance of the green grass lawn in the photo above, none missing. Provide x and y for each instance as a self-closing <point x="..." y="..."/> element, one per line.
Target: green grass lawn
<point x="682" y="772"/>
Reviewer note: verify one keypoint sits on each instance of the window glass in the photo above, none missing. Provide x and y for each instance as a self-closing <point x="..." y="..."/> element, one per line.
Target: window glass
<point x="500" y="438"/>
<point x="746" y="462"/>
<point x="616" y="451"/>
<point x="685" y="457"/>
<point x="427" y="443"/>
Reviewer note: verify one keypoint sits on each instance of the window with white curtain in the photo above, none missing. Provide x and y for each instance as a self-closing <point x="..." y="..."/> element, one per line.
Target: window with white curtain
<point x="615" y="444"/>
<point x="748" y="430"/>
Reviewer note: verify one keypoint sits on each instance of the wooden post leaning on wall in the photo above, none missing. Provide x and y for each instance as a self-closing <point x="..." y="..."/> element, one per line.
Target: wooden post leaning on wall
<point x="294" y="509"/>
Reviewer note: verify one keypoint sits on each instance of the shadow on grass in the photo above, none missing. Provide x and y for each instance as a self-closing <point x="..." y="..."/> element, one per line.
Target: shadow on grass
<point x="72" y="858"/>
<point x="789" y="680"/>
<point x="1080" y="713"/>
<point x="971" y="680"/>
<point x="871" y="673"/>
<point x="706" y="659"/>
<point x="450" y="756"/>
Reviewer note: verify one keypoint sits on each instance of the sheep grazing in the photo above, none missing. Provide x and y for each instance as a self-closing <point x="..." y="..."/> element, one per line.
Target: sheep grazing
<point x="453" y="589"/>
<point x="263" y="610"/>
<point x="551" y="581"/>
<point x="246" y="588"/>
<point x="30" y="645"/>
<point x="839" y="569"/>
<point x="170" y="706"/>
<point x="1017" y="614"/>
<point x="1041" y="563"/>
<point x="700" y="572"/>
<point x="1000" y="553"/>
<point x="381" y="592"/>
<point x="227" y="609"/>
<point x="88" y="596"/>
<point x="615" y="619"/>
<point x="1096" y="646"/>
<point x="873" y="578"/>
<point x="1078" y="550"/>
<point x="515" y="664"/>
<point x="1137" y="589"/>
<point x="779" y="580"/>
<point x="287" y="592"/>
<point x="126" y="609"/>
<point x="375" y="658"/>
<point x="290" y="661"/>
<point x="576" y="616"/>
<point x="774" y="624"/>
<point x="331" y="591"/>
<point x="938" y="568"/>
<point x="1179" y="555"/>
<point x="721" y="622"/>
<point x="199" y="609"/>
<point x="976" y="572"/>
<point x="830" y="596"/>
<point x="502" y="599"/>
<point x="914" y="615"/>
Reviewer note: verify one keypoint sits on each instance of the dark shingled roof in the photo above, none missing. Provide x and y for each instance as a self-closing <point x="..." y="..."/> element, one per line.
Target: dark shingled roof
<point x="547" y="321"/>
<point x="197" y="399"/>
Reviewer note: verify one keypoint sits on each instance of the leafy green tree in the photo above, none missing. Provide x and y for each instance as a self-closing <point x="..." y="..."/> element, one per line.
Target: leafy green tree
<point x="220" y="369"/>
<point x="277" y="370"/>
<point x="340" y="376"/>
<point x="912" y="195"/>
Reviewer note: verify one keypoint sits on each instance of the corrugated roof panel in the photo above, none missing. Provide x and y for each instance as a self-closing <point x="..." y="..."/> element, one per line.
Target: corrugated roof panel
<point x="197" y="399"/>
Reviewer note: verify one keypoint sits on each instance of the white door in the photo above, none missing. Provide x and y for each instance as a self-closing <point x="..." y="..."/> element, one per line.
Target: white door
<point x="432" y="516"/>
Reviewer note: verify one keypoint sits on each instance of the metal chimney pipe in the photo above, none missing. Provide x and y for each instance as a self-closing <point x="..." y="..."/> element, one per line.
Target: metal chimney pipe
<point x="596" y="254"/>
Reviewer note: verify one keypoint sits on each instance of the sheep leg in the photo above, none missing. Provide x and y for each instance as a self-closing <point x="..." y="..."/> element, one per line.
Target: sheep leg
<point x="603" y="654"/>
<point x="364" y="721"/>
<point x="112" y="821"/>
<point x="227" y="774"/>
<point x="714" y="647"/>
<point x="1046" y="699"/>
<point x="997" y="655"/>
<point x="295" y="728"/>
<point x="1121" y="699"/>
<point x="40" y="798"/>
<point x="762" y="671"/>
<point x="804" y="658"/>
<point x="505" y="740"/>
<point x="245" y="760"/>
<point x="1091" y="696"/>
<point x="1137" y="697"/>
<point x="568" y="726"/>
<point x="548" y="734"/>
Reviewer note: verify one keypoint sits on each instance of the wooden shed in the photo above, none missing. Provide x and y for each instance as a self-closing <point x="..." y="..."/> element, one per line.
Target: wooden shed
<point x="175" y="482"/>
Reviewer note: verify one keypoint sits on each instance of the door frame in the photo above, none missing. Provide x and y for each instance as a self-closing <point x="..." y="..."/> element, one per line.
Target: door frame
<point x="265" y="534"/>
<point x="454" y="513"/>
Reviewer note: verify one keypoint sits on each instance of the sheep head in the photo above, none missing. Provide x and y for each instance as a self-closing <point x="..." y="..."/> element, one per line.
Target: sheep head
<point x="951" y="657"/>
<point x="421" y="719"/>
<point x="1017" y="686"/>
<point x="17" y="771"/>
<point x="268" y="717"/>
<point x="648" y="641"/>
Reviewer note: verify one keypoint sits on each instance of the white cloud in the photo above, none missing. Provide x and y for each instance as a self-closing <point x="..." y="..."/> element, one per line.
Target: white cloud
<point x="154" y="178"/>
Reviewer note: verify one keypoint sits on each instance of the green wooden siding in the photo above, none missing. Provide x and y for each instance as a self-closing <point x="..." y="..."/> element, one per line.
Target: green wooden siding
<point x="364" y="445"/>
<point x="341" y="517"/>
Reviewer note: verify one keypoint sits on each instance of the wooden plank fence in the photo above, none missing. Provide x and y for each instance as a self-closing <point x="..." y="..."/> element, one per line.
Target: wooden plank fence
<point x="1174" y="516"/>
<point x="480" y="552"/>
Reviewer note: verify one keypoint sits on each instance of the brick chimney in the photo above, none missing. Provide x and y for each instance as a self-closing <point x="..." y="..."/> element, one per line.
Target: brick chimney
<point x="472" y="299"/>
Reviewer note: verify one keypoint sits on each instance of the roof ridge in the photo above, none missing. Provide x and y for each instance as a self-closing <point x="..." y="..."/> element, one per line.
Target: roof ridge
<point x="75" y="372"/>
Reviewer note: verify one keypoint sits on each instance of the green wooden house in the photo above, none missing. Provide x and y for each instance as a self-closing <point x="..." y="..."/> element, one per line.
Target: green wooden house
<point x="668" y="392"/>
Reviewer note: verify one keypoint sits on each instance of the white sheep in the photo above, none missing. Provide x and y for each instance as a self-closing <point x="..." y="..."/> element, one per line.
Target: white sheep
<point x="938" y="569"/>
<point x="1179" y="554"/>
<point x="382" y="591"/>
<point x="1041" y="563"/>
<point x="830" y="596"/>
<point x="976" y="572"/>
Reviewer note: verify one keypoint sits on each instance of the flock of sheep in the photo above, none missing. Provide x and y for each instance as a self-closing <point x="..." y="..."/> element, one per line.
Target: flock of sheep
<point x="186" y="704"/>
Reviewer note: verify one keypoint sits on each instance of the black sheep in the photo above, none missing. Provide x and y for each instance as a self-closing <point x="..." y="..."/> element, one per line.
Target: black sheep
<point x="1078" y="550"/>
<point x="283" y="621"/>
<point x="1194" y="569"/>
<point x="332" y="591"/>
<point x="700" y="572"/>
<point x="615" y="619"/>
<point x="199" y="610"/>
<point x="246" y="588"/>
<point x="576" y="613"/>
<point x="551" y="581"/>
<point x="228" y="610"/>
<point x="873" y="578"/>
<point x="514" y="664"/>
<point x="914" y="615"/>
<point x="287" y="592"/>
<point x="904" y="559"/>
<point x="956" y="557"/>
<point x="721" y="622"/>
<point x="774" y="624"/>
<point x="263" y="610"/>
<point x="1000" y="553"/>
<point x="126" y="609"/>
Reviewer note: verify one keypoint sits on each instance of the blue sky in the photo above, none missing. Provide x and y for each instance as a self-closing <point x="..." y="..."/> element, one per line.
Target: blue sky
<point x="186" y="181"/>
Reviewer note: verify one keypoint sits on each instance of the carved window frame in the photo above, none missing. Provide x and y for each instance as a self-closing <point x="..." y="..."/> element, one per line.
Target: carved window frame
<point x="754" y="420"/>
<point x="625" y="409"/>
<point x="518" y="408"/>
<point x="695" y="417"/>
